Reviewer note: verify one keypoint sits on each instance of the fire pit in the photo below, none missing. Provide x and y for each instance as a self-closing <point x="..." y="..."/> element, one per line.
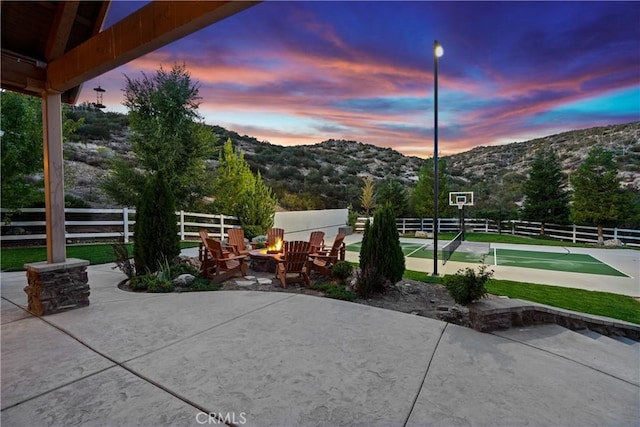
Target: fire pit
<point x="264" y="260"/>
<point x="276" y="248"/>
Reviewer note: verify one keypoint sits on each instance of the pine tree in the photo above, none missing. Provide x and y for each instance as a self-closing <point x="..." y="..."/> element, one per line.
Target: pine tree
<point x="597" y="196"/>
<point x="367" y="199"/>
<point x="257" y="208"/>
<point x="422" y="197"/>
<point x="233" y="180"/>
<point x="390" y="191"/>
<point x="240" y="193"/>
<point x="156" y="231"/>
<point x="546" y="200"/>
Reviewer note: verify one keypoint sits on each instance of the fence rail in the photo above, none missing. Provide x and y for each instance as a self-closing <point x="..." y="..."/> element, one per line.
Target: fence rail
<point x="567" y="233"/>
<point x="29" y="225"/>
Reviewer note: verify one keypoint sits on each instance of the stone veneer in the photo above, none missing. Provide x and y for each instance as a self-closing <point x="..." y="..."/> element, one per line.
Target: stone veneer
<point x="495" y="314"/>
<point x="57" y="287"/>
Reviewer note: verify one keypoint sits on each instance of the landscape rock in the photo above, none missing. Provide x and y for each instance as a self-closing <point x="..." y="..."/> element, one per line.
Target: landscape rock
<point x="192" y="261"/>
<point x="184" y="280"/>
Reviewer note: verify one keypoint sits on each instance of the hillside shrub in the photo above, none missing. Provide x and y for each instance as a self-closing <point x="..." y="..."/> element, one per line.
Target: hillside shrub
<point x="466" y="286"/>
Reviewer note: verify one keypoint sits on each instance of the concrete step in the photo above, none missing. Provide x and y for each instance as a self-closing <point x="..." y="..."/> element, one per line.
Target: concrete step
<point x="620" y="343"/>
<point x="627" y="341"/>
<point x="588" y="348"/>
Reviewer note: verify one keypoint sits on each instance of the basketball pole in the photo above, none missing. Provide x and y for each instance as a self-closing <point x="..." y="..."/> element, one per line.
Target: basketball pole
<point x="437" y="52"/>
<point x="461" y="211"/>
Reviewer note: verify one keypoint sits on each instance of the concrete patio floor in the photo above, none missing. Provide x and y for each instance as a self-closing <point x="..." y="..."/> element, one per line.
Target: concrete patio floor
<point x="278" y="359"/>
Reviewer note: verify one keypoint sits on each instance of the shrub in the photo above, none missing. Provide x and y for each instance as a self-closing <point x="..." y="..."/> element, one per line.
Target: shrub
<point x="160" y="285"/>
<point x="163" y="272"/>
<point x="369" y="281"/>
<point x="141" y="283"/>
<point x="123" y="259"/>
<point x="251" y="231"/>
<point x="203" y="284"/>
<point x="335" y="291"/>
<point x="352" y="217"/>
<point x="341" y="271"/>
<point x="183" y="268"/>
<point x="466" y="286"/>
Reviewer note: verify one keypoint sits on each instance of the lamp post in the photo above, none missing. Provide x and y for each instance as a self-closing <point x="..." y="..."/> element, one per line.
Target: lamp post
<point x="438" y="51"/>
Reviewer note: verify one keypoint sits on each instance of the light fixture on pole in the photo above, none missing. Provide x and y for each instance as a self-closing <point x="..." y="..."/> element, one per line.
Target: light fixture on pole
<point x="438" y="51"/>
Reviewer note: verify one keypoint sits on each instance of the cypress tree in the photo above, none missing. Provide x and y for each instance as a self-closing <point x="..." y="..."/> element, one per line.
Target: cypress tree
<point x="365" y="247"/>
<point x="381" y="257"/>
<point x="385" y="242"/>
<point x="156" y="230"/>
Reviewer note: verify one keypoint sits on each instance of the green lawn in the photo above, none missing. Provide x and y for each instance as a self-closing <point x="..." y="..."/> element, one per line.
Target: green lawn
<point x="14" y="259"/>
<point x="599" y="303"/>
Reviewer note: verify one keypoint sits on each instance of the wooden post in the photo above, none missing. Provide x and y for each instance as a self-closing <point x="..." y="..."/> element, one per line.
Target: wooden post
<point x="53" y="177"/>
<point x="125" y="224"/>
<point x="182" y="226"/>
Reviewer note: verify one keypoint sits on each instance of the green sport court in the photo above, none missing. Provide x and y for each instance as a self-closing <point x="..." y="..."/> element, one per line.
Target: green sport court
<point x="480" y="252"/>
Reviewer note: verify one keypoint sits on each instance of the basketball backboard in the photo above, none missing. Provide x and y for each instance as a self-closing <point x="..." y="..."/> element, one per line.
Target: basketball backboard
<point x="461" y="198"/>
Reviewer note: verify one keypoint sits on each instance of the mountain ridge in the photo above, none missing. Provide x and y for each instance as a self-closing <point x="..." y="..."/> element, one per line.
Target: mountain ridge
<point x="329" y="174"/>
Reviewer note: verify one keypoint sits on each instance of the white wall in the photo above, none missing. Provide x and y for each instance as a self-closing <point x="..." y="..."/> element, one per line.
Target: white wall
<point x="298" y="225"/>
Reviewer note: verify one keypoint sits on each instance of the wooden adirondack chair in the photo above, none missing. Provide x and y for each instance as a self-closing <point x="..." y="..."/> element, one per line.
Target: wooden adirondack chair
<point x="273" y="235"/>
<point x="316" y="241"/>
<point x="203" y="254"/>
<point x="222" y="265"/>
<point x="236" y="242"/>
<point x="294" y="262"/>
<point x="324" y="260"/>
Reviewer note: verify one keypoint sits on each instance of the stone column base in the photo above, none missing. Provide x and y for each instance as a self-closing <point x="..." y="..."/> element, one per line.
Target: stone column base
<point x="57" y="287"/>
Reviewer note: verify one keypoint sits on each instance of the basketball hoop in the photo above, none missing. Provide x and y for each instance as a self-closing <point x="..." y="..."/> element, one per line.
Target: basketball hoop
<point x="461" y="198"/>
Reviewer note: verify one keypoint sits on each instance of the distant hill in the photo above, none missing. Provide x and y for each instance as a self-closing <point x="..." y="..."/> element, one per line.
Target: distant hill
<point x="333" y="168"/>
<point x="329" y="174"/>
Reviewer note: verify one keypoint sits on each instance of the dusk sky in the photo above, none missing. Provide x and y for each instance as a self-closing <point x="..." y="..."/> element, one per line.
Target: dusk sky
<point x="303" y="72"/>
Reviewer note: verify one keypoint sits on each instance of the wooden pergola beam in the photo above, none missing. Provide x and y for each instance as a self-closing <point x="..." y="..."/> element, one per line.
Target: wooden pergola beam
<point x="155" y="25"/>
<point x="61" y="29"/>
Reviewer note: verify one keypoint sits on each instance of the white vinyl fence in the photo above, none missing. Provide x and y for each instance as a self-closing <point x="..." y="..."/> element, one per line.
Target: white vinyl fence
<point x="568" y="233"/>
<point x="104" y="225"/>
<point x="84" y="225"/>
